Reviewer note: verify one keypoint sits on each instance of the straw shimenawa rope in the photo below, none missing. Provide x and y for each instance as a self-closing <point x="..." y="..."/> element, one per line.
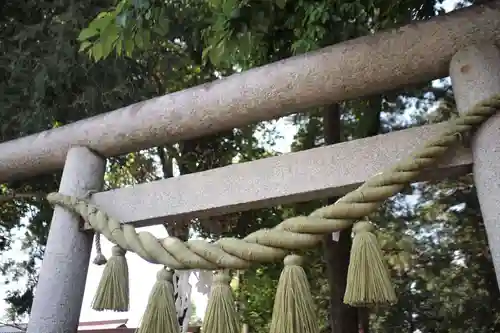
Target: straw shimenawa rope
<point x="301" y="232"/>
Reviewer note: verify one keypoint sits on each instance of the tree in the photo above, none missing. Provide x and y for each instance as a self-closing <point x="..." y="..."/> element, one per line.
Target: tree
<point x="450" y="285"/>
<point x="67" y="80"/>
<point x="47" y="83"/>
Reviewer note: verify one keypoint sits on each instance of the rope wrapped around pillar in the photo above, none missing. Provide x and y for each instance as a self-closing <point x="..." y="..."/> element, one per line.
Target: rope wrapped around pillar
<point x="297" y="233"/>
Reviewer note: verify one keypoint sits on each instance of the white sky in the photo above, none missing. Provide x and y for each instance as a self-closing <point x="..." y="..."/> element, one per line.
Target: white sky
<point x="142" y="274"/>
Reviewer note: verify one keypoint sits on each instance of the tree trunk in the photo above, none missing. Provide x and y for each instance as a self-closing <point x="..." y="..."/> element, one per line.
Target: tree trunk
<point x="343" y="318"/>
<point x="179" y="229"/>
<point x="370" y="126"/>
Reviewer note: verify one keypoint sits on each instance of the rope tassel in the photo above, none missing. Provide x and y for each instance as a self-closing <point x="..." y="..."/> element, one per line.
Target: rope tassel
<point x="368" y="279"/>
<point x="294" y="310"/>
<point x="113" y="290"/>
<point x="221" y="315"/>
<point x="99" y="259"/>
<point x="160" y="315"/>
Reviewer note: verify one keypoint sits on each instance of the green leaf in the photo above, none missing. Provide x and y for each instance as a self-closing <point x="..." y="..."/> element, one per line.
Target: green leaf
<point x="206" y="52"/>
<point x="97" y="52"/>
<point x="216" y="3"/>
<point x="216" y="54"/>
<point x="231" y="9"/>
<point x="84" y="46"/>
<point x="139" y="41"/>
<point x="108" y="39"/>
<point x="119" y="47"/>
<point x="161" y="26"/>
<point x="107" y="47"/>
<point x="129" y="46"/>
<point x="120" y="6"/>
<point x="87" y="33"/>
<point x="122" y="19"/>
<point x="146" y="39"/>
<point x="102" y="21"/>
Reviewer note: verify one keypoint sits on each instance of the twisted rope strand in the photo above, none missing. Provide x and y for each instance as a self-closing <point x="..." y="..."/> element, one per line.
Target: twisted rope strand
<point x="99" y="259"/>
<point x="297" y="233"/>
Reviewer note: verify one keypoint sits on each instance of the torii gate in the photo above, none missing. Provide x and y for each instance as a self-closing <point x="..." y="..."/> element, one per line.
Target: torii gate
<point x="461" y="43"/>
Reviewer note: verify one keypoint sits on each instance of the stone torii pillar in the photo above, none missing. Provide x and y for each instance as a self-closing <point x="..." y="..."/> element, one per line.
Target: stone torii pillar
<point x="475" y="75"/>
<point x="61" y="284"/>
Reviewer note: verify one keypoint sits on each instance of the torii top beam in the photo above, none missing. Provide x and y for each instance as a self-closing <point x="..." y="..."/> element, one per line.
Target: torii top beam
<point x="413" y="54"/>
